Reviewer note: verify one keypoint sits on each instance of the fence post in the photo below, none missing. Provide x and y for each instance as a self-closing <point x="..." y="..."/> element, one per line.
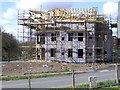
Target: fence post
<point x="73" y="78"/>
<point x="29" y="80"/>
<point x="117" y="73"/>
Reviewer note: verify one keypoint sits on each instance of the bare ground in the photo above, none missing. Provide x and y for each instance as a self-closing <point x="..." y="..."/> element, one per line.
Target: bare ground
<point x="22" y="68"/>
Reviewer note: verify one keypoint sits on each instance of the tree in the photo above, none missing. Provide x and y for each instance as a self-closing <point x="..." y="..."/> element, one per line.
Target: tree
<point x="10" y="48"/>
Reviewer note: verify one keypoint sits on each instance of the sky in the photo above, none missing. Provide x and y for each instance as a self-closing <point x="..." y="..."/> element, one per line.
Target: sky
<point x="9" y="9"/>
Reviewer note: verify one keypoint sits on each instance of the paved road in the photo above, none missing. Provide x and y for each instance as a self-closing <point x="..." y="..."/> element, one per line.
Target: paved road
<point x="61" y="81"/>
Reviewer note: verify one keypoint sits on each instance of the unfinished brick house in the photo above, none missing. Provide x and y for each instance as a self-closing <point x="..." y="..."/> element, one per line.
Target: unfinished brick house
<point x="78" y="35"/>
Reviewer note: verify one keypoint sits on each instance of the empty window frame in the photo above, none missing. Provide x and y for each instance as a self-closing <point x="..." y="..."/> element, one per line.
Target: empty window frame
<point x="90" y="37"/>
<point x="98" y="36"/>
<point x="53" y="37"/>
<point x="62" y="53"/>
<point x="80" y="53"/>
<point x="70" y="52"/>
<point x="99" y="51"/>
<point x="63" y="38"/>
<point x="43" y="53"/>
<point x="90" y="54"/>
<point x="70" y="36"/>
<point x="38" y="39"/>
<point x="105" y="52"/>
<point x="53" y="52"/>
<point x="105" y="37"/>
<point x="42" y="39"/>
<point x="80" y="36"/>
<point x="38" y="53"/>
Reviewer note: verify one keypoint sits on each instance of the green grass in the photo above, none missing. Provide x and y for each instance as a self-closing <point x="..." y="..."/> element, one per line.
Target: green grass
<point x="98" y="84"/>
<point x="109" y="88"/>
<point x="106" y="82"/>
<point x="7" y="78"/>
<point x="70" y="88"/>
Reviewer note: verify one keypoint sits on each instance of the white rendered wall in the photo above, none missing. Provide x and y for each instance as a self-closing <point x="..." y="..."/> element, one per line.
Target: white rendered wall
<point x="63" y="46"/>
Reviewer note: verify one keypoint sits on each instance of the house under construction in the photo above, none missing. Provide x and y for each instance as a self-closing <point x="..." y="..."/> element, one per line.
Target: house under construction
<point x="78" y="35"/>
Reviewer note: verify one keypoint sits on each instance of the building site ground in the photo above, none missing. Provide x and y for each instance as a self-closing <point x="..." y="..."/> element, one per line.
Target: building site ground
<point x="32" y="67"/>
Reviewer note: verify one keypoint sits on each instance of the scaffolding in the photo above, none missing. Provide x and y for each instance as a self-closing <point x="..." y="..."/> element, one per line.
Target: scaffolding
<point x="60" y="22"/>
<point x="116" y="48"/>
<point x="26" y="35"/>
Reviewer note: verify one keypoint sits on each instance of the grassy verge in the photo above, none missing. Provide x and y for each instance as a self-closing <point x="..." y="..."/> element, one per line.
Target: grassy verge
<point x="86" y="86"/>
<point x="7" y="78"/>
<point x="98" y="84"/>
<point x="109" y="88"/>
<point x="105" y="88"/>
<point x="106" y="82"/>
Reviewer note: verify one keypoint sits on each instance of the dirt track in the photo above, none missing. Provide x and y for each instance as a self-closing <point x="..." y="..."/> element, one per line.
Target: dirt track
<point x="22" y="68"/>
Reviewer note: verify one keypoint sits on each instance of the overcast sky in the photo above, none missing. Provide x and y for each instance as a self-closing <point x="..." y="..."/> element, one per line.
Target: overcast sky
<point x="9" y="9"/>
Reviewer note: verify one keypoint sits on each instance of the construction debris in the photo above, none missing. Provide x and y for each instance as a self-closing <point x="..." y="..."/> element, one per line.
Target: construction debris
<point x="23" y="68"/>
